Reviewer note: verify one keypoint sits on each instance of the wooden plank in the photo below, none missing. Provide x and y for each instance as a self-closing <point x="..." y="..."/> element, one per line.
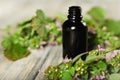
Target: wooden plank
<point x="4" y="64"/>
<point x="58" y="57"/>
<point x="20" y="69"/>
<point x="54" y="58"/>
<point x="31" y="73"/>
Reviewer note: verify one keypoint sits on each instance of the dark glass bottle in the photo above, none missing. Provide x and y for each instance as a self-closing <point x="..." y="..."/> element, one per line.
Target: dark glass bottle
<point x="74" y="34"/>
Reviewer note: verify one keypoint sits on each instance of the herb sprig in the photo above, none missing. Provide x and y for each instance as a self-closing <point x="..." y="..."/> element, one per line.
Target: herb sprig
<point x="36" y="32"/>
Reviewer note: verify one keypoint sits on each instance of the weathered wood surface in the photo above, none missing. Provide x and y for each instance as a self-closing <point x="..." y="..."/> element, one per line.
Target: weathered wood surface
<point x="53" y="58"/>
<point x="30" y="67"/>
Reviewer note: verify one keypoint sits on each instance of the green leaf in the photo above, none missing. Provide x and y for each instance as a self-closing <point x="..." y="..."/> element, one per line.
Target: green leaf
<point x="90" y="22"/>
<point x="72" y="71"/>
<point x="29" y="34"/>
<point x="113" y="26"/>
<point x="23" y="23"/>
<point x="95" y="70"/>
<point x="101" y="65"/>
<point x="25" y="30"/>
<point x="66" y="76"/>
<point x="59" y="40"/>
<point x="92" y="55"/>
<point x="91" y="58"/>
<point x="42" y="31"/>
<point x="39" y="23"/>
<point x="36" y="23"/>
<point x="16" y="52"/>
<point x="7" y="42"/>
<point x="34" y="42"/>
<point x="41" y="15"/>
<point x="97" y="13"/>
<point x="53" y="28"/>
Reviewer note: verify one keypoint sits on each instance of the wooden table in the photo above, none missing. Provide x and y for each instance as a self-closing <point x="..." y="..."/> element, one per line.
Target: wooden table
<point x="31" y="67"/>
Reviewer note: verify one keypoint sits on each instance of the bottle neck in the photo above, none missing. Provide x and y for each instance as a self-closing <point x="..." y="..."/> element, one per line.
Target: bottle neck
<point x="74" y="14"/>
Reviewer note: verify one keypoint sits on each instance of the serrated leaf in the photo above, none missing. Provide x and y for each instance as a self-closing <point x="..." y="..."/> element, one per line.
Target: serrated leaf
<point x="41" y="15"/>
<point x="39" y="23"/>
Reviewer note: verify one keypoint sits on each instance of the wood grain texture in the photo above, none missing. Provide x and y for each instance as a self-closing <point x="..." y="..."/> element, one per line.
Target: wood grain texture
<point x="29" y="68"/>
<point x="54" y="58"/>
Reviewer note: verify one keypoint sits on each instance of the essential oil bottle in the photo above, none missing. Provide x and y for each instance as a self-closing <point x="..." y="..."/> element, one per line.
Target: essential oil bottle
<point x="74" y="34"/>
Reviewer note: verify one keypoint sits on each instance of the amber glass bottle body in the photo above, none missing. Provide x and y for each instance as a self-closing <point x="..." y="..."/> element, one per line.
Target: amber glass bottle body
<point x="74" y="34"/>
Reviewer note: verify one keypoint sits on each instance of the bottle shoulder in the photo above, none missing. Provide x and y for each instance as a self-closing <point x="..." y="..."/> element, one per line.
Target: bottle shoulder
<point x="68" y="23"/>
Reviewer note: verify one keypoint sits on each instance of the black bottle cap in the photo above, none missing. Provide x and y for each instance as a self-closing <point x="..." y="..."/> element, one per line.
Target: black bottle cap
<point x="75" y="10"/>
